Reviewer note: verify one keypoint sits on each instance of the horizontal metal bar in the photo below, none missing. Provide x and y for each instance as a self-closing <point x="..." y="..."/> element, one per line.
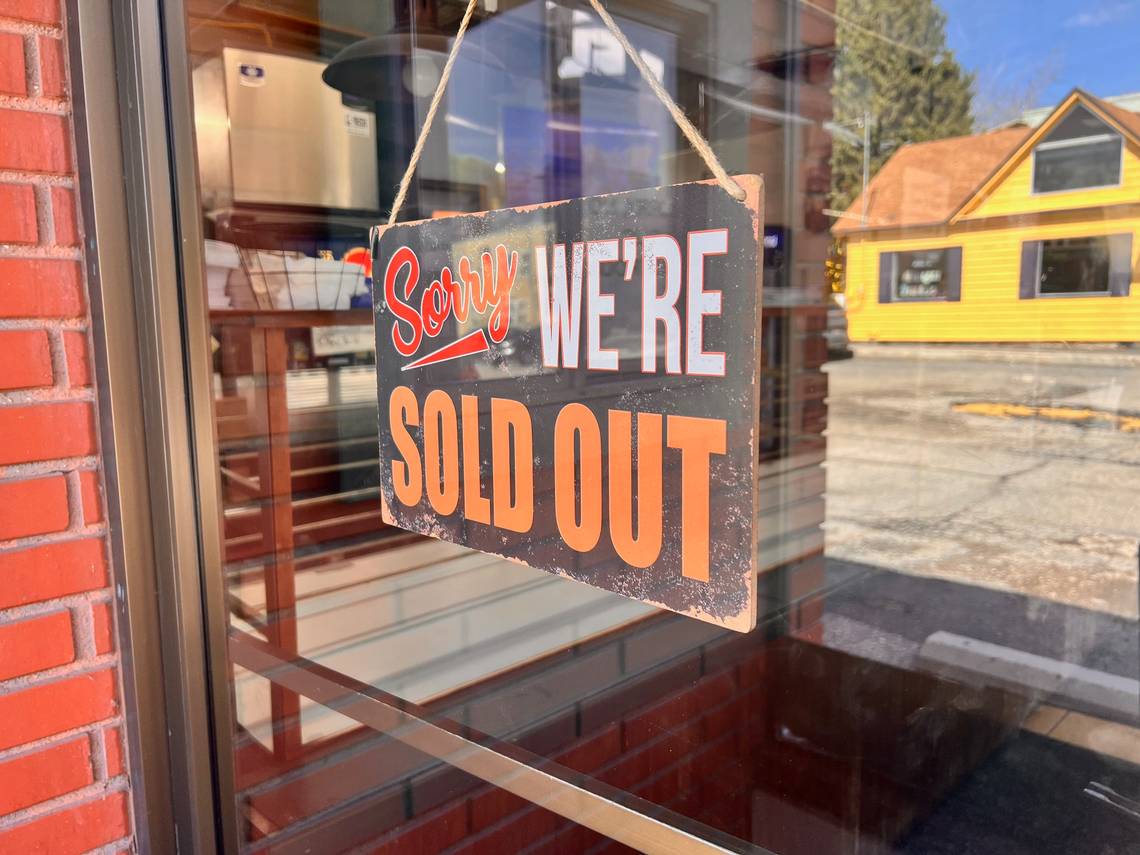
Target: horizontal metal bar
<point x="290" y="318"/>
<point x="331" y="522"/>
<point x="337" y="467"/>
<point x="572" y="795"/>
<point x="333" y="497"/>
<point x="371" y="439"/>
<point x="255" y="507"/>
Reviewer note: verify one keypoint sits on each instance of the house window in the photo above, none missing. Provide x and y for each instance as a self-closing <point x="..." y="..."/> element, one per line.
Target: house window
<point x="920" y="275"/>
<point x="1080" y="153"/>
<point x="1100" y="265"/>
<point x="1074" y="266"/>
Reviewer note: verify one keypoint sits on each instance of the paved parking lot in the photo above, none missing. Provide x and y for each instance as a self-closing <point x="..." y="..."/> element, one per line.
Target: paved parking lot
<point x="1011" y="491"/>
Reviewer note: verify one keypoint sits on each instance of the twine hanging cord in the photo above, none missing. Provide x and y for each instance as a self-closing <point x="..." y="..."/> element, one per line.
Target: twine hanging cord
<point x="698" y="142"/>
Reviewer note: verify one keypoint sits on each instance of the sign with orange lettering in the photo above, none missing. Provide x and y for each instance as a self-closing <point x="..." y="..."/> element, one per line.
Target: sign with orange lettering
<point x="574" y="386"/>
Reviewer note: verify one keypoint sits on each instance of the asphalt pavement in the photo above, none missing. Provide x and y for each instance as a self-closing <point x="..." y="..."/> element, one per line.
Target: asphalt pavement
<point x="994" y="494"/>
<point x="1045" y="504"/>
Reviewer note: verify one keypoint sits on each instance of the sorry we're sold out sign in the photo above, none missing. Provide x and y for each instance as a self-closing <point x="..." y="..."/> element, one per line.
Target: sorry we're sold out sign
<point x="574" y="386"/>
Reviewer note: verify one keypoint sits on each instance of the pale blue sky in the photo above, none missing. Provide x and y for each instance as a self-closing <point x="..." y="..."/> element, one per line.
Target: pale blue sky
<point x="1060" y="43"/>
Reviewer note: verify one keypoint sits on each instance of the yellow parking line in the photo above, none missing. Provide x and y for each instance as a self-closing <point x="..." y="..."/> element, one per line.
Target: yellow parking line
<point x="1086" y="731"/>
<point x="1071" y="415"/>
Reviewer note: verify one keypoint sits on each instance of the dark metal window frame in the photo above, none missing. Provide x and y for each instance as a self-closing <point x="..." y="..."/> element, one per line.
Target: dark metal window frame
<point x="132" y="127"/>
<point x="139" y="198"/>
<point x="143" y="239"/>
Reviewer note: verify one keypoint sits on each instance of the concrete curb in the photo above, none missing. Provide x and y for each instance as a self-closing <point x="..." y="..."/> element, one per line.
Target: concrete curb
<point x="1061" y="683"/>
<point x="1109" y="355"/>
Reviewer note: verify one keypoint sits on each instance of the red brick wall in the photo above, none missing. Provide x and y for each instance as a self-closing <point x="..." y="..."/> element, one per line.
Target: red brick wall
<point x="63" y="785"/>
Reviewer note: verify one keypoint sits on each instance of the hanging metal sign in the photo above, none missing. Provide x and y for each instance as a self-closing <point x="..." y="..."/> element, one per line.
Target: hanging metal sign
<point x="574" y="386"/>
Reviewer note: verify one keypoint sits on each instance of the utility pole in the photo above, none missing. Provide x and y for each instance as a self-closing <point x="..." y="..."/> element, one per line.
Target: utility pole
<point x="852" y="138"/>
<point x="866" y="160"/>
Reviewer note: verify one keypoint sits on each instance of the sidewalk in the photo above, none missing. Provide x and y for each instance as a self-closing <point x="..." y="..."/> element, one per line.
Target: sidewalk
<point x="1112" y="355"/>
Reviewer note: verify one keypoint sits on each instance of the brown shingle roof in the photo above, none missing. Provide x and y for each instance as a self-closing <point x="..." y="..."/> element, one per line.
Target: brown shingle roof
<point x="925" y="183"/>
<point x="1125" y="118"/>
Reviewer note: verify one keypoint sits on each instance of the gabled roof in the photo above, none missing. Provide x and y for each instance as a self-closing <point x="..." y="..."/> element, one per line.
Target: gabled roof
<point x="1128" y="121"/>
<point x="928" y="184"/>
<point x="925" y="183"/>
<point x="1129" y="101"/>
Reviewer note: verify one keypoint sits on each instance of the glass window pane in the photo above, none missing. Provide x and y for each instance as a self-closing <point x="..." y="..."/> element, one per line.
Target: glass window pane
<point x="945" y="658"/>
<point x="1074" y="266"/>
<point x="1077" y="165"/>
<point x="921" y="275"/>
<point x="1078" y="123"/>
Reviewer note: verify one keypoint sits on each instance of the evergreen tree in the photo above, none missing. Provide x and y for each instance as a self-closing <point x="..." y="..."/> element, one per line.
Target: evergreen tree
<point x="895" y="72"/>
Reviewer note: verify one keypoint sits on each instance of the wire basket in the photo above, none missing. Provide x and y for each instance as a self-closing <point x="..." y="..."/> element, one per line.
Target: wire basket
<point x="286" y="261"/>
<point x="280" y="279"/>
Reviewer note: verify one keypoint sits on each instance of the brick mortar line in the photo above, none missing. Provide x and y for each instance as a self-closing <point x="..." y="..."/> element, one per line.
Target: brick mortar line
<point x="33" y="82"/>
<point x="58" y="465"/>
<point x="27" y="28"/>
<point x="82" y="637"/>
<point x="47" y="395"/>
<point x="41" y="105"/>
<point x="20" y="544"/>
<point x="98" y="742"/>
<point x="80" y="667"/>
<point x="48" y="179"/>
<point x="40" y="252"/>
<point x="123" y="844"/>
<point x="51" y="607"/>
<point x="15" y="614"/>
<point x="45" y="215"/>
<point x="26" y="43"/>
<point x="77" y="324"/>
<point x="61" y="376"/>
<point x="76" y="516"/>
<point x="29" y="748"/>
<point x="75" y="798"/>
<point x="61" y="474"/>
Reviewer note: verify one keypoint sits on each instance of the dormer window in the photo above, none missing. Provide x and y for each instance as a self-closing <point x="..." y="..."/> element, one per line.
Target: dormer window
<point x="1082" y="152"/>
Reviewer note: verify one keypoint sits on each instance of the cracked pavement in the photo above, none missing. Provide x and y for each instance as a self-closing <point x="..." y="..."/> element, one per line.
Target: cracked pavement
<point x="1028" y="505"/>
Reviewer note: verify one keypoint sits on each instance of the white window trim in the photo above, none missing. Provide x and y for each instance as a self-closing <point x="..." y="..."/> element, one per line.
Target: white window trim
<point x="1075" y="141"/>
<point x="1033" y="191"/>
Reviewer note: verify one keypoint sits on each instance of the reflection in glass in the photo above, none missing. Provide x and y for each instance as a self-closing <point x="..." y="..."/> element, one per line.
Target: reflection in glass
<point x="955" y="672"/>
<point x="1074" y="266"/>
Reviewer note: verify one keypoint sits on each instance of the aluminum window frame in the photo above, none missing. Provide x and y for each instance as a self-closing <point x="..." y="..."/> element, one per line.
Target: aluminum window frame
<point x="152" y="333"/>
<point x="181" y="760"/>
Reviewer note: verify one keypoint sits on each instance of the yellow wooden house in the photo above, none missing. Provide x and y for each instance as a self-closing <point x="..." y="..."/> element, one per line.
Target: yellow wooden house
<point x="1013" y="235"/>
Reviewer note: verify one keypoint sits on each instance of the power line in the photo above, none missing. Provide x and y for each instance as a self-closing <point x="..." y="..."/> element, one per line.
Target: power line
<point x="847" y="22"/>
